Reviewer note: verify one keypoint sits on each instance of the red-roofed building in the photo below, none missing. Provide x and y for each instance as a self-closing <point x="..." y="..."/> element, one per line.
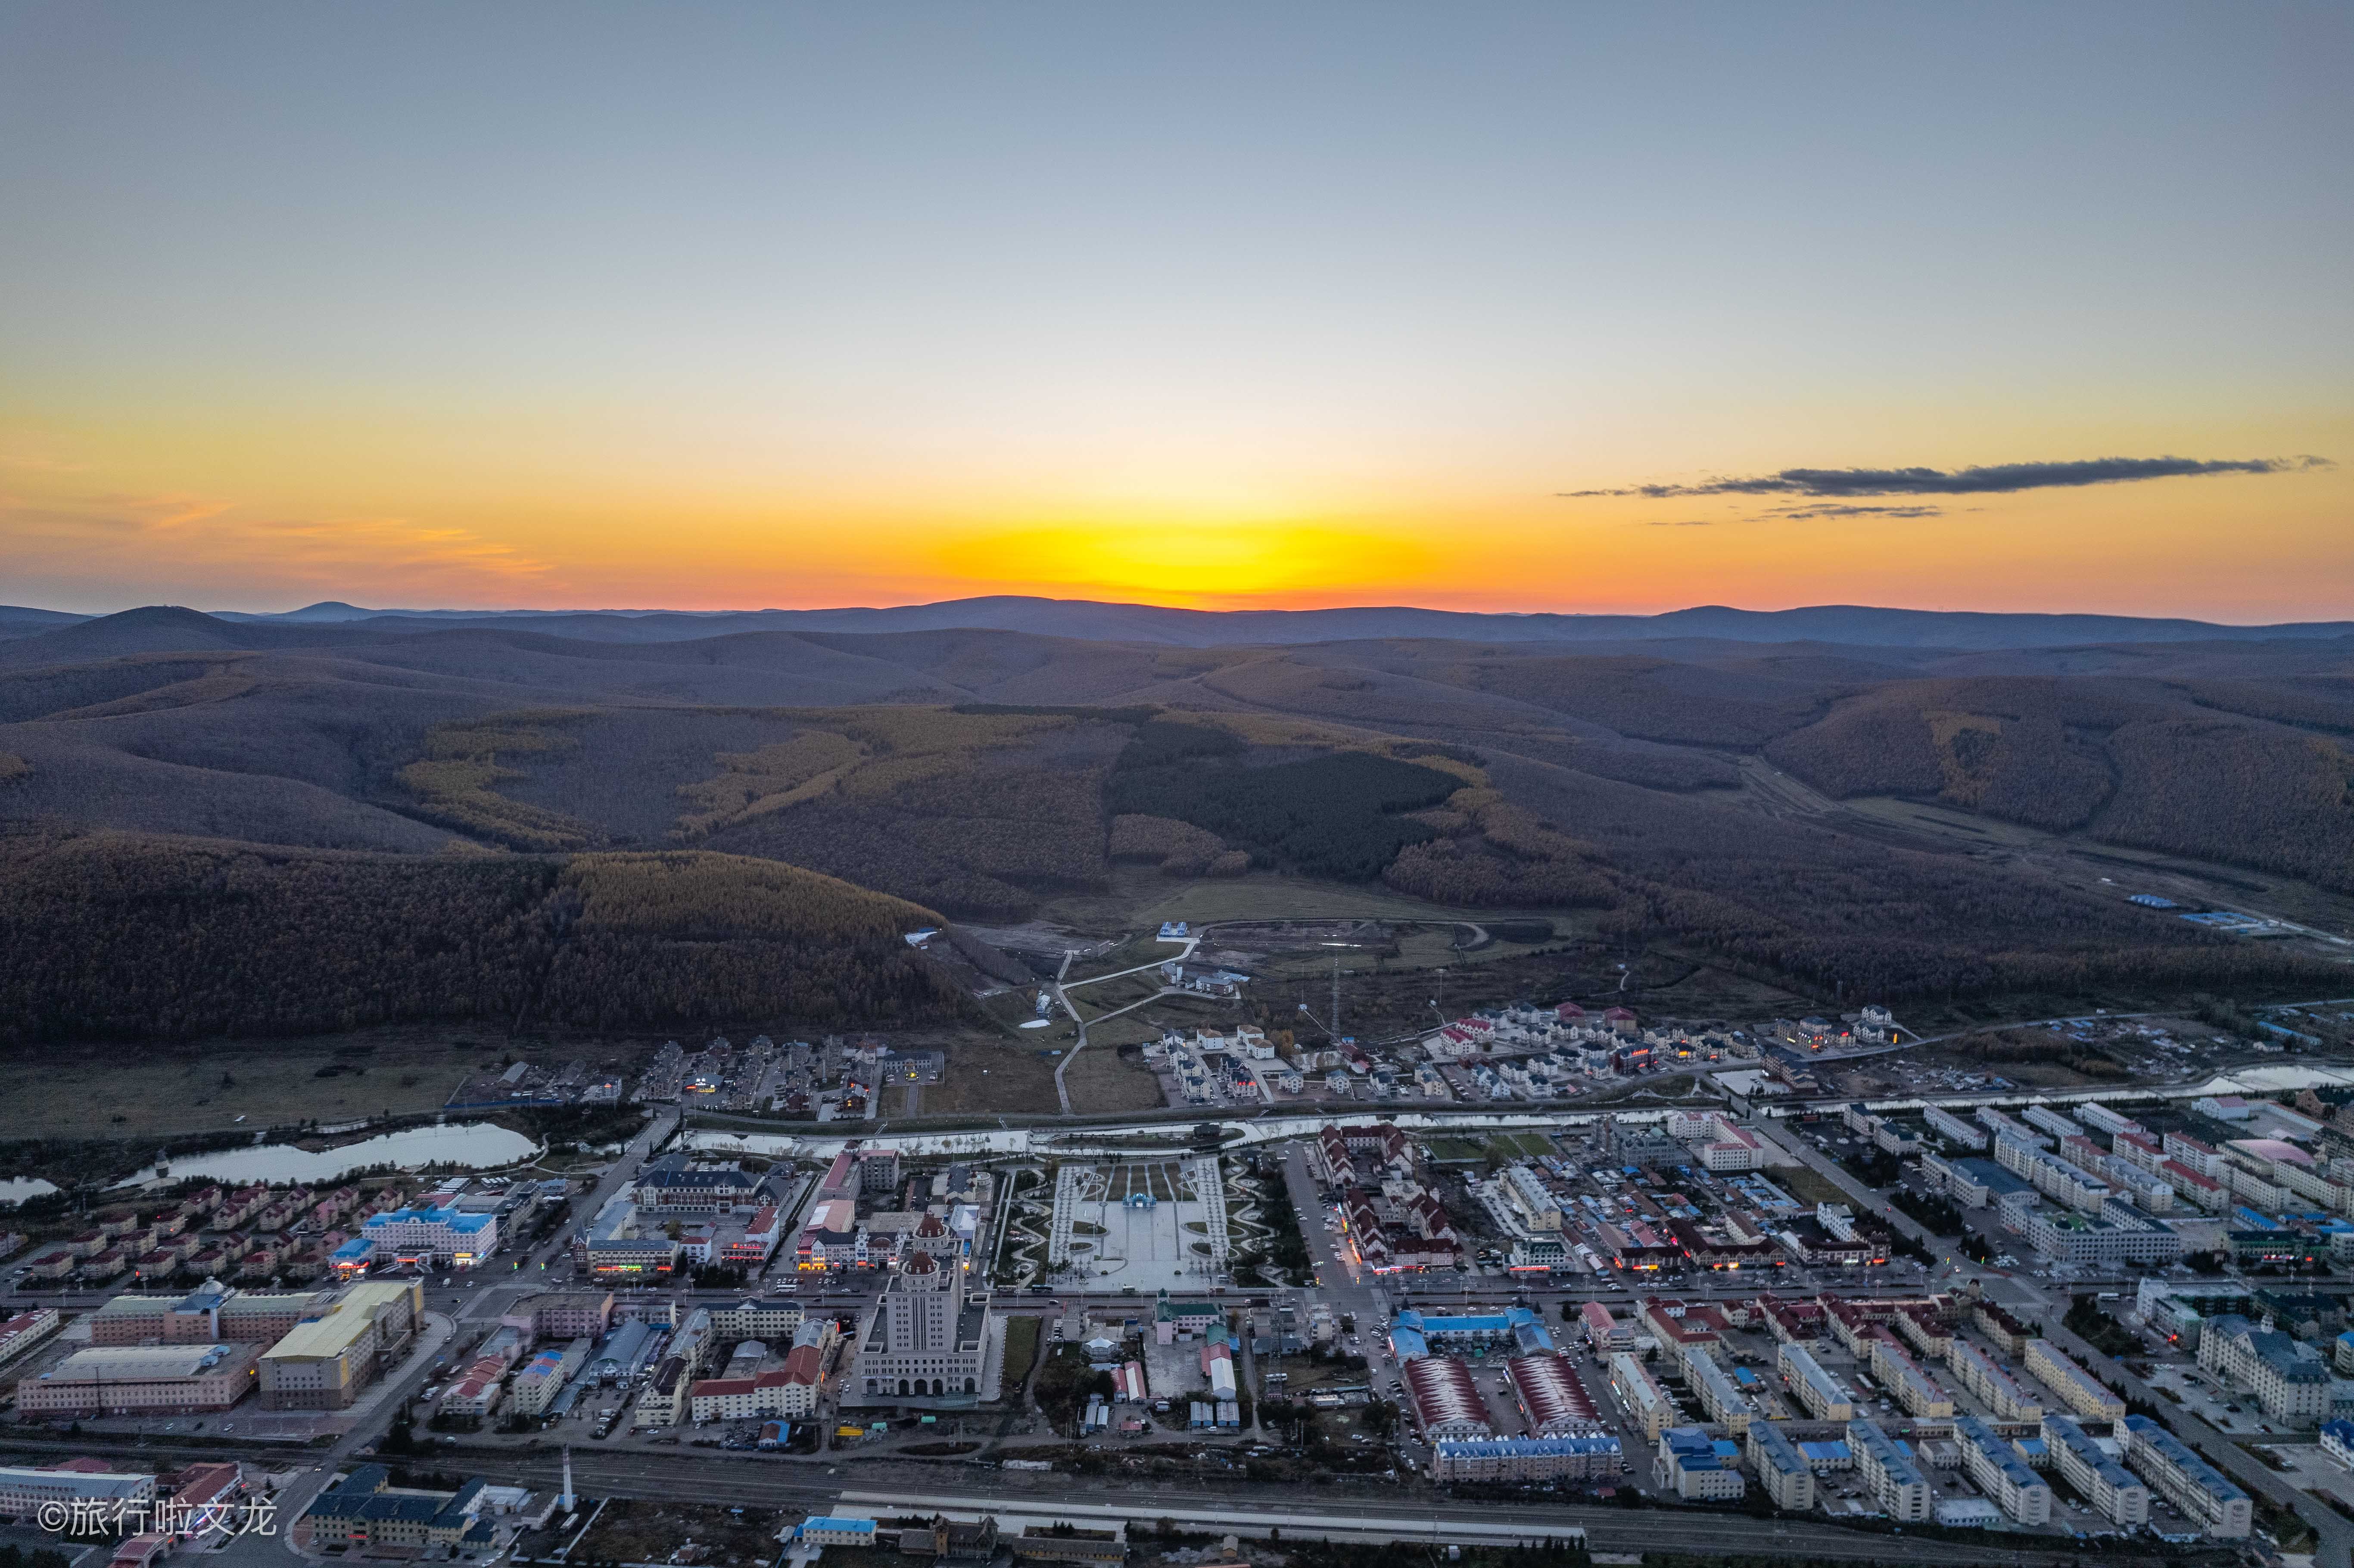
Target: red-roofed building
<point x="1554" y="1401"/>
<point x="2201" y="1189"/>
<point x="1445" y="1401"/>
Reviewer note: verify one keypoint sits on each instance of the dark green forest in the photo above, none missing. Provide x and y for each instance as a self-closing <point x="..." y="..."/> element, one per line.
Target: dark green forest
<point x="114" y="937"/>
<point x="1326" y="816"/>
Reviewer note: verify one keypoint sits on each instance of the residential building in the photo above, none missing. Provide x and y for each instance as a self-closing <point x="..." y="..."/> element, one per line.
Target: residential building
<point x="1990" y="1384"/>
<point x="1782" y="1470"/>
<point x="2121" y="1496"/>
<point x="1895" y="1482"/>
<point x="1595" y="1456"/>
<point x="2077" y="1389"/>
<point x="21" y="1333"/>
<point x="2062" y="1181"/>
<point x="2184" y="1479"/>
<point x="1718" y="1399"/>
<point x="1691" y="1468"/>
<point x="1526" y="1191"/>
<point x="1945" y="1124"/>
<point x="536" y="1385"/>
<point x="1815" y="1389"/>
<point x="1912" y="1389"/>
<point x="1996" y="1469"/>
<point x="1639" y="1392"/>
<point x="2337" y="1441"/>
<point x="2059" y="1123"/>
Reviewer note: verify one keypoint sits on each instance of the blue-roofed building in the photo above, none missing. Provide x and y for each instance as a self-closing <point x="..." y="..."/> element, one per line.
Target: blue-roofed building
<point x="2192" y="1485"/>
<point x="1827" y="1454"/>
<point x="1503" y="1328"/>
<point x="1591" y="1458"/>
<point x="2120" y="1496"/>
<point x="1896" y="1483"/>
<point x="1782" y="1468"/>
<point x="352" y="1257"/>
<point x="827" y="1530"/>
<point x="431" y="1237"/>
<point x="1995" y="1467"/>
<point x="1690" y="1464"/>
<point x="1407" y="1344"/>
<point x="361" y="1511"/>
<point x="2337" y="1441"/>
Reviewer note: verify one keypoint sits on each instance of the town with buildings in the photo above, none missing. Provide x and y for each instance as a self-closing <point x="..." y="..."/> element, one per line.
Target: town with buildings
<point x="1977" y="1314"/>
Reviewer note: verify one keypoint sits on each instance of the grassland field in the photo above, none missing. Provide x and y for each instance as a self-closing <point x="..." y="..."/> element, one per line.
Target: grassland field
<point x="164" y="1090"/>
<point x="1102" y="1081"/>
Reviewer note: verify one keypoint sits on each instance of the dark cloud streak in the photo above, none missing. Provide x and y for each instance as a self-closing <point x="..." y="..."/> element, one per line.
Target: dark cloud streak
<point x="1997" y="479"/>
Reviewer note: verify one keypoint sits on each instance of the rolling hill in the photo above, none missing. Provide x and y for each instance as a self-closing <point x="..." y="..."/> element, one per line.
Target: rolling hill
<point x="1726" y="798"/>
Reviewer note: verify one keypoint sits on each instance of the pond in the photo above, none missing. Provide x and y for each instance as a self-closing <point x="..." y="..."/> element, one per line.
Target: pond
<point x="17" y="1189"/>
<point x="473" y="1146"/>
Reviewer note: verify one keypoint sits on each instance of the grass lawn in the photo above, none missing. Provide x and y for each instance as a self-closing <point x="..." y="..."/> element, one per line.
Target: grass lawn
<point x="1807" y="1184"/>
<point x="1020" y="1350"/>
<point x="996" y="1077"/>
<point x="80" y="1091"/>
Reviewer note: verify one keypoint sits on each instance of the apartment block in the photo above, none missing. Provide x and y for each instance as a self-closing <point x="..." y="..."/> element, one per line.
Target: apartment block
<point x="1718" y="1399"/>
<point x="2186" y="1480"/>
<point x="1782" y="1470"/>
<point x="1898" y="1486"/>
<point x="1990" y="1384"/>
<point x="1945" y="1124"/>
<point x="1815" y="1389"/>
<point x="1641" y="1394"/>
<point x="2120" y="1496"/>
<point x="1995" y="1467"/>
<point x="1905" y="1382"/>
<point x="2077" y="1388"/>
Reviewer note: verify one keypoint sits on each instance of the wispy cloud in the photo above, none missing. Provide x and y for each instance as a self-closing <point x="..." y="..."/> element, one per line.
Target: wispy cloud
<point x="1994" y="479"/>
<point x="202" y="539"/>
<point x="1802" y="514"/>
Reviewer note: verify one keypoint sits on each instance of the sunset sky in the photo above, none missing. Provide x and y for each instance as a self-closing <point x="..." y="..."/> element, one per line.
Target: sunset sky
<point x="714" y="306"/>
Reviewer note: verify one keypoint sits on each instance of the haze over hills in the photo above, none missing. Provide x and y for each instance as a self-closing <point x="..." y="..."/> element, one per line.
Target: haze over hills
<point x="1899" y="817"/>
<point x="1846" y="624"/>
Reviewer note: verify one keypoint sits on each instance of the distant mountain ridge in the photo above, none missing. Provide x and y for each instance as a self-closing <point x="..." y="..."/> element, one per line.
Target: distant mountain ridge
<point x="1849" y="625"/>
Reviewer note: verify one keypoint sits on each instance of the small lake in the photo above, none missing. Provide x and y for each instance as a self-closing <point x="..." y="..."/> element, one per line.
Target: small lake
<point x="15" y="1190"/>
<point x="473" y="1146"/>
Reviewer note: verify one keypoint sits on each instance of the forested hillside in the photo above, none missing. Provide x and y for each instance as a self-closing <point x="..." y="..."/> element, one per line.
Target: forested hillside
<point x="104" y="936"/>
<point x="433" y="801"/>
<point x="2129" y="762"/>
